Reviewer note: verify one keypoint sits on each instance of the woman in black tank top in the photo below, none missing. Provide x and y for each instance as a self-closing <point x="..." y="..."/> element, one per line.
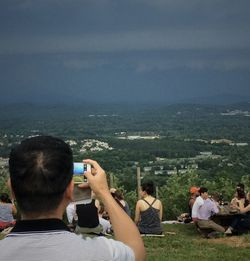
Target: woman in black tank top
<point x="148" y="213"/>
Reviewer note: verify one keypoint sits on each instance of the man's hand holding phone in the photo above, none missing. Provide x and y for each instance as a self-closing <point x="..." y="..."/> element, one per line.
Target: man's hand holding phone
<point x="119" y="219"/>
<point x="97" y="179"/>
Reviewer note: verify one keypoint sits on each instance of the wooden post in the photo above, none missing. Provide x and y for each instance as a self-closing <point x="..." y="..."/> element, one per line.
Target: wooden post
<point x="111" y="180"/>
<point x="138" y="182"/>
<point x="156" y="192"/>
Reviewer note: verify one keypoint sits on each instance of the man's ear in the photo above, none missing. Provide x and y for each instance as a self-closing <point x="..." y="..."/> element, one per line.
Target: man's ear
<point x="12" y="195"/>
<point x="70" y="190"/>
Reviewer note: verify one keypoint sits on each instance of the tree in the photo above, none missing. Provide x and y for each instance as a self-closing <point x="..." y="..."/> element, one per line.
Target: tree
<point x="175" y="194"/>
<point x="3" y="180"/>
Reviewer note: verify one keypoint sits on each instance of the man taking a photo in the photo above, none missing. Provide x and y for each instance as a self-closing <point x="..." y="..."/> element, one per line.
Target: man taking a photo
<point x="41" y="170"/>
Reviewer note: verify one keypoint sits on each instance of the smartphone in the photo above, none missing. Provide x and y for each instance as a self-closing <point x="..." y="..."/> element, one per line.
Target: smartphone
<point x="80" y="168"/>
<point x="81" y="196"/>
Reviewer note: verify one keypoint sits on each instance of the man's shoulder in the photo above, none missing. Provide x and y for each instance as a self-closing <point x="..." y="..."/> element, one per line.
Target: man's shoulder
<point x="102" y="246"/>
<point x="98" y="248"/>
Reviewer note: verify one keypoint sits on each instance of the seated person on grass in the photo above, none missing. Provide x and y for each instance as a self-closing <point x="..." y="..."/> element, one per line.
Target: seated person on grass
<point x="88" y="219"/>
<point x="7" y="210"/>
<point x="84" y="218"/>
<point x="194" y="193"/>
<point x="241" y="223"/>
<point x="203" y="209"/>
<point x="118" y="196"/>
<point x="148" y="212"/>
<point x="240" y="195"/>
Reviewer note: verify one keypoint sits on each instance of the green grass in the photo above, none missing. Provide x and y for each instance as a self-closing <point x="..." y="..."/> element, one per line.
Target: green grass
<point x="187" y="245"/>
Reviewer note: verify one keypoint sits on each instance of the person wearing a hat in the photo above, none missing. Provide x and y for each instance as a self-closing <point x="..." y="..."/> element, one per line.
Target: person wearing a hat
<point x="194" y="191"/>
<point x="203" y="209"/>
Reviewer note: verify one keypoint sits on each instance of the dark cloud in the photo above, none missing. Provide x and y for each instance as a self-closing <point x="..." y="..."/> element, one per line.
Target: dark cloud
<point x="163" y="50"/>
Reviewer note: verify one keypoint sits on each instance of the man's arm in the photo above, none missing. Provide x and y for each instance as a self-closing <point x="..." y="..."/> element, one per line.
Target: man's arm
<point x="197" y="204"/>
<point x="124" y="228"/>
<point x="215" y="207"/>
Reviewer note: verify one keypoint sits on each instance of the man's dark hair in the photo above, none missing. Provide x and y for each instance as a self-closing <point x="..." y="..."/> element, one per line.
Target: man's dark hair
<point x="148" y="187"/>
<point x="40" y="170"/>
<point x="203" y="190"/>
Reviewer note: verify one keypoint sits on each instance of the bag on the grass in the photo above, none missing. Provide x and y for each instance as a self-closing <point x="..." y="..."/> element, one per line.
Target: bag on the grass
<point x="185" y="218"/>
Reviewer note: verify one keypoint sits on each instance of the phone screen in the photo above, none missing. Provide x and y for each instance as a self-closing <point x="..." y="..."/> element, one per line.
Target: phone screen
<point x="80" y="168"/>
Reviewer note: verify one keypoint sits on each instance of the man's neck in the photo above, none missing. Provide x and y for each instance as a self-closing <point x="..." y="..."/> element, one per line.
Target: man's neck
<point x="55" y="213"/>
<point x="48" y="215"/>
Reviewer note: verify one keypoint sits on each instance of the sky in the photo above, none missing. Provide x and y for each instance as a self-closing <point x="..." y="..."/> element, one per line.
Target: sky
<point x="161" y="51"/>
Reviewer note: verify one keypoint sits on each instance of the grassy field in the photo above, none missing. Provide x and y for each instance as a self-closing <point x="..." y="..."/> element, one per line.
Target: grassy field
<point x="187" y="245"/>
